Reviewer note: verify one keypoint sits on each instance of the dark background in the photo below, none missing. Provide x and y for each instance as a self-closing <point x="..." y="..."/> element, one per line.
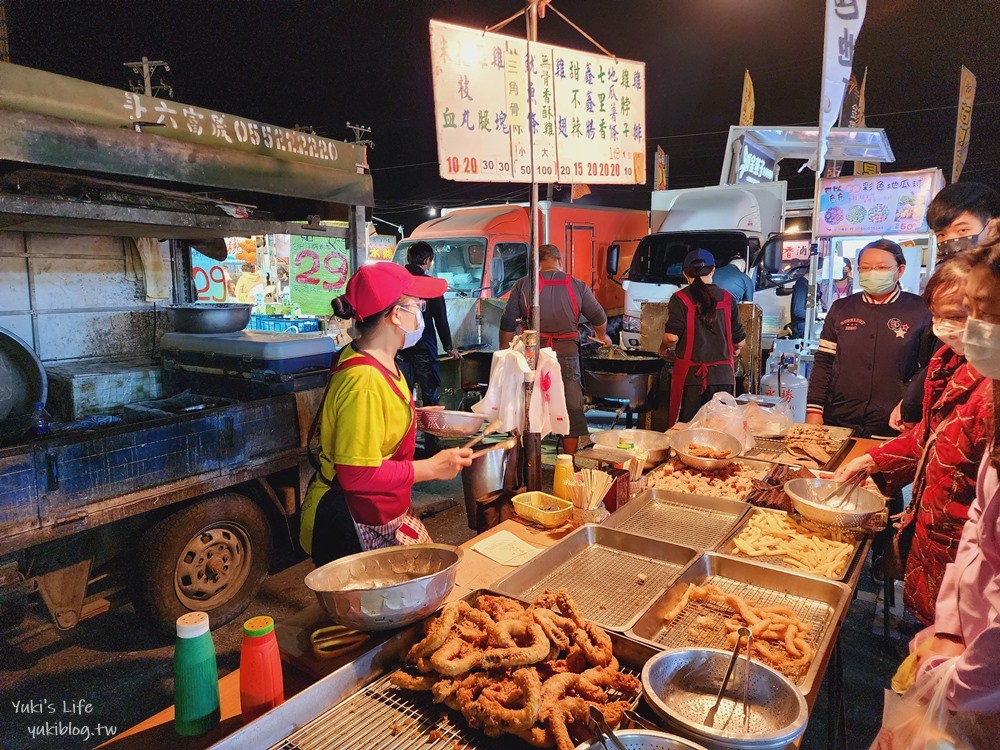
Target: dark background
<point x="308" y="62"/>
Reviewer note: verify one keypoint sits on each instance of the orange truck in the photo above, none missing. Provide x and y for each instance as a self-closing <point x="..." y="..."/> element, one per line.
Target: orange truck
<point x="482" y="250"/>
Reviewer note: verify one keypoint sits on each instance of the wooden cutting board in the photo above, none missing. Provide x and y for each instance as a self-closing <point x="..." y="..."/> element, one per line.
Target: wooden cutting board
<point x="293" y="642"/>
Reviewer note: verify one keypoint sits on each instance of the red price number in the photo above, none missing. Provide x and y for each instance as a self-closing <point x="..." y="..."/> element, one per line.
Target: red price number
<point x="331" y="272"/>
<point x="210" y="284"/>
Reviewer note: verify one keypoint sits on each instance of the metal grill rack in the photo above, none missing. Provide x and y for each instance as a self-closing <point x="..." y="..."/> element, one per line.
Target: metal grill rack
<point x="680" y="522"/>
<point x="771" y="449"/>
<point x="676" y="634"/>
<point x="602" y="582"/>
<point x="384" y="717"/>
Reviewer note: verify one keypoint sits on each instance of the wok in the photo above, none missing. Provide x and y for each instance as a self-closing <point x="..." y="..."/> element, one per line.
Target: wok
<point x="206" y="317"/>
<point x="638" y="363"/>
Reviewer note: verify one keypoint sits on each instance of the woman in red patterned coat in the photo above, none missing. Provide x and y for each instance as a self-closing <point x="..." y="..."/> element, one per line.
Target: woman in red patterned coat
<point x="946" y="447"/>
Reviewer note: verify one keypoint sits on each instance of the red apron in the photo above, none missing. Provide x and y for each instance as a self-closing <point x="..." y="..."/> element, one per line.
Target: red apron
<point x="683" y="363"/>
<point x="547" y="339"/>
<point x="404" y="528"/>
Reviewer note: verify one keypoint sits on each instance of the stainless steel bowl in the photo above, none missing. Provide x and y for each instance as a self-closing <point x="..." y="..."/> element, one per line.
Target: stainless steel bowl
<point x="850" y="508"/>
<point x="681" y="686"/>
<point x="716" y="439"/>
<point x="655" y="443"/>
<point x="386" y="588"/>
<point x="209" y="317"/>
<point x="644" y="739"/>
<point x="449" y="424"/>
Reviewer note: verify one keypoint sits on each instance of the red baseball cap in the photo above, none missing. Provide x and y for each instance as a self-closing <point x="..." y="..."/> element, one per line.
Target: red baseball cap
<point x="377" y="286"/>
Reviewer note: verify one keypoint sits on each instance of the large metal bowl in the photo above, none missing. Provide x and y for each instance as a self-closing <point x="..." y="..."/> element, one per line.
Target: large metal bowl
<point x="386" y="588"/>
<point x="643" y="739"/>
<point x="849" y="509"/>
<point x="23" y="383"/>
<point x="655" y="443"/>
<point x="681" y="686"/>
<point x="716" y="439"/>
<point x="449" y="424"/>
<point x="209" y="317"/>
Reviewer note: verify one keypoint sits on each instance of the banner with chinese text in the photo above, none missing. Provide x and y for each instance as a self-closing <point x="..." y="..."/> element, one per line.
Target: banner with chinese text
<point x="844" y="19"/>
<point x="585" y="113"/>
<point x="747" y="104"/>
<point x="881" y="204"/>
<point x="963" y="128"/>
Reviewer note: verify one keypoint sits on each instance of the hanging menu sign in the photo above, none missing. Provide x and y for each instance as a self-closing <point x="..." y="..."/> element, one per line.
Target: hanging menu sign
<point x="877" y="204"/>
<point x="585" y="114"/>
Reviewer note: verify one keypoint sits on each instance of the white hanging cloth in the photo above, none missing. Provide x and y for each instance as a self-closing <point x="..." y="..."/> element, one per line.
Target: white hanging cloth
<point x="547" y="411"/>
<point x="504" y="399"/>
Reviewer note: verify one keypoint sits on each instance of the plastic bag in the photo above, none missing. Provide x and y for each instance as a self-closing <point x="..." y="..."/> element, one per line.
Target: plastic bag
<point x="768" y="422"/>
<point x="723" y="413"/>
<point x="919" y="719"/>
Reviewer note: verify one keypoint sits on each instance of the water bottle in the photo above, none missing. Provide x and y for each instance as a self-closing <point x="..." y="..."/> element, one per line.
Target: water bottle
<point x="261" y="684"/>
<point x="42" y="427"/>
<point x="196" y="677"/>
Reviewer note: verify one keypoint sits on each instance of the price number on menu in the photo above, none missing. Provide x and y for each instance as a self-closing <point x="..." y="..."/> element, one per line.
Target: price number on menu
<point x="472" y="165"/>
<point x="329" y="272"/>
<point x="210" y="283"/>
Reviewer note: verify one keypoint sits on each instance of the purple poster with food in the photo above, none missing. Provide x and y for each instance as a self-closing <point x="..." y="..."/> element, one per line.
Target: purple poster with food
<point x="877" y="204"/>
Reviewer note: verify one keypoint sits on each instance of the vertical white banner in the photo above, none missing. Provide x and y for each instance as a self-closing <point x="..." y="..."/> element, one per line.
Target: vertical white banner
<point x="963" y="128"/>
<point x="844" y="19"/>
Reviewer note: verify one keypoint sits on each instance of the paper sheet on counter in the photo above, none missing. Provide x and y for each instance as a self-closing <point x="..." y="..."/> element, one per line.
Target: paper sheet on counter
<point x="506" y="549"/>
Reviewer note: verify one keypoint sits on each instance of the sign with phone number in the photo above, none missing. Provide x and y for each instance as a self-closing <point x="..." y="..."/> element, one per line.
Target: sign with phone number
<point x="318" y="271"/>
<point x="584" y="114"/>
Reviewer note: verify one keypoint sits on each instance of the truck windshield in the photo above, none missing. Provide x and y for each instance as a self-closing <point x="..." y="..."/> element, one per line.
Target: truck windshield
<point x="458" y="261"/>
<point x="659" y="257"/>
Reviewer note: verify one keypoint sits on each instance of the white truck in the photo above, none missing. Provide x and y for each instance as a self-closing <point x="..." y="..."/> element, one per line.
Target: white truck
<point x="728" y="221"/>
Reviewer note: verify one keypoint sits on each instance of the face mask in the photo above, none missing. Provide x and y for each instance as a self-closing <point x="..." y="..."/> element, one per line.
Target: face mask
<point x="410" y="338"/>
<point x="982" y="347"/>
<point x="951" y="334"/>
<point x="878" y="282"/>
<point x="952" y="247"/>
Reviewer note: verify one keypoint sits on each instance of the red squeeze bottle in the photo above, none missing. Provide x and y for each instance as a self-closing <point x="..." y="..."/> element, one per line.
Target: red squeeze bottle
<point x="261" y="685"/>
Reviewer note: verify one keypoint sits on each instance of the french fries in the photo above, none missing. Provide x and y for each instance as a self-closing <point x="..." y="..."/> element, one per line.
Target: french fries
<point x="335" y="640"/>
<point x="812" y="549"/>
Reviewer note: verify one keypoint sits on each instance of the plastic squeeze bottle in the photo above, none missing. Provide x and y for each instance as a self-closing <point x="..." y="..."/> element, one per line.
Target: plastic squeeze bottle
<point x="563" y="473"/>
<point x="261" y="685"/>
<point x="196" y="676"/>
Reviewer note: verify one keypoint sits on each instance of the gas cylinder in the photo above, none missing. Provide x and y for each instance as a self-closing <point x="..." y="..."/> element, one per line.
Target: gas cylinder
<point x="783" y="383"/>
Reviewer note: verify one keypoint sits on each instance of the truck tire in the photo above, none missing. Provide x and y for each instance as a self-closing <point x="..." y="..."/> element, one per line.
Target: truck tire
<point x="211" y="556"/>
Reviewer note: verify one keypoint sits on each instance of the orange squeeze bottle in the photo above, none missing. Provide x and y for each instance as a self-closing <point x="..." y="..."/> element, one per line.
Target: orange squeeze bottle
<point x="261" y="684"/>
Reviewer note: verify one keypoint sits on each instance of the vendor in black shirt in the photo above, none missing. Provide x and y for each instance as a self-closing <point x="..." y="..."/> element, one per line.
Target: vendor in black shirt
<point x="869" y="346"/>
<point x="703" y="323"/>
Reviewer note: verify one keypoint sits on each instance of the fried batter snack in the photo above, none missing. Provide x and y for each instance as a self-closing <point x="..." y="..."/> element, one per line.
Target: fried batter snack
<point x="808" y="547"/>
<point x="529" y="672"/>
<point x="780" y="638"/>
<point x="733" y="481"/>
<point x="707" y="451"/>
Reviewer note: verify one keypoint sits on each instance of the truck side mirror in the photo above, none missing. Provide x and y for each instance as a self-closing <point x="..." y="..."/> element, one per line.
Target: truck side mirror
<point x="613" y="251"/>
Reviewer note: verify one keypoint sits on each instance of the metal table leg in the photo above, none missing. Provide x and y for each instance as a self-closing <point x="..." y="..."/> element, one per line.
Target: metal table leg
<point x="836" y="727"/>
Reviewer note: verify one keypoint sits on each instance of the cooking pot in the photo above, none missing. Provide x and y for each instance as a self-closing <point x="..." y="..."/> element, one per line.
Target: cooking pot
<point x="209" y="317"/>
<point x="638" y="363"/>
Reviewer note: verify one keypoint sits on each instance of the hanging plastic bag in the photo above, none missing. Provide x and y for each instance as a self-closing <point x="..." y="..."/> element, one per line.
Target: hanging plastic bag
<point x="768" y="422"/>
<point x="723" y="413"/>
<point x="919" y="719"/>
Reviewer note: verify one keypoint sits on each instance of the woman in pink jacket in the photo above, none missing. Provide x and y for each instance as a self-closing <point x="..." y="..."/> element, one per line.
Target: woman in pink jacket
<point x="967" y="619"/>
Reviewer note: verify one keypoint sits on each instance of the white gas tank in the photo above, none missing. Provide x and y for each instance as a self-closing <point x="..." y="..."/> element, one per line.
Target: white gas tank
<point x="791" y="388"/>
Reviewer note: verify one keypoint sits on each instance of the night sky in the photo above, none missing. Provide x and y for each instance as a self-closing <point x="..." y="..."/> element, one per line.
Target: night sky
<point x="307" y="62"/>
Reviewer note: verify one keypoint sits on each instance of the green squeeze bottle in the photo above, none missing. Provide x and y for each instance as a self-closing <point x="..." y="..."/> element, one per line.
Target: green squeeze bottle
<point x="196" y="677"/>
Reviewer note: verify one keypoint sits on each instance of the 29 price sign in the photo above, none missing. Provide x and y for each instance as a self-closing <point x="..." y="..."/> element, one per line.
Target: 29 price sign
<point x="209" y="278"/>
<point x="318" y="272"/>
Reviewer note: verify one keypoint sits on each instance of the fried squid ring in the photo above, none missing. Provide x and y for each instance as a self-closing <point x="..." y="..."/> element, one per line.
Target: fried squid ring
<point x="535" y="651"/>
<point x="438" y="630"/>
<point x="496" y="719"/>
<point x="418" y="683"/>
<point x="556" y="627"/>
<point x="500" y="607"/>
<point x="455" y="658"/>
<point x="559" y="686"/>
<point x="596" y="644"/>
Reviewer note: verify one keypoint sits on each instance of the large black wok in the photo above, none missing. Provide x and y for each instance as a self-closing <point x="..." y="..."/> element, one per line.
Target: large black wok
<point x="637" y="363"/>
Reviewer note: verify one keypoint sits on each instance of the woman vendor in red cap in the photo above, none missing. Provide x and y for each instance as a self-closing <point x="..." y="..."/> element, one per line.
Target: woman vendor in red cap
<point x="703" y="322"/>
<point x="359" y="498"/>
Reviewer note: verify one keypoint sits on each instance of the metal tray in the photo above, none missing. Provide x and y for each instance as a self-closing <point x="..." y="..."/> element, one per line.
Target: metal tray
<point x="356" y="707"/>
<point x="821" y="603"/>
<point x="612" y="576"/>
<point x="771" y="449"/>
<point x="693" y="520"/>
<point x="725" y="547"/>
<point x="756" y="464"/>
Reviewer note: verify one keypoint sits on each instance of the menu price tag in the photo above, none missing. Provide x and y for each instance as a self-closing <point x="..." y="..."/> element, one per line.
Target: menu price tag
<point x="877" y="204"/>
<point x="318" y="271"/>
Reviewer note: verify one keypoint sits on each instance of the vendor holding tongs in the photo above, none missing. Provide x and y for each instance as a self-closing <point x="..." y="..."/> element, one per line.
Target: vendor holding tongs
<point x="359" y="498"/>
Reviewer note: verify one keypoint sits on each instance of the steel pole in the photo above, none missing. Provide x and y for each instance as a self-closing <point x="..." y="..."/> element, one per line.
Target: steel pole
<point x="532" y="440"/>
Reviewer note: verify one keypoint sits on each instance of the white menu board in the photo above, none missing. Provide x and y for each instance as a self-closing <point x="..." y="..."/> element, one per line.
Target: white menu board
<point x="585" y="113"/>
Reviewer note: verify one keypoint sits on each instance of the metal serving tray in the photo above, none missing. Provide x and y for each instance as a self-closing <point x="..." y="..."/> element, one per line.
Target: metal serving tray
<point x="756" y="464"/>
<point x="612" y="576"/>
<point x="771" y="449"/>
<point x="726" y="546"/>
<point x="820" y="603"/>
<point x="693" y="520"/>
<point x="356" y="707"/>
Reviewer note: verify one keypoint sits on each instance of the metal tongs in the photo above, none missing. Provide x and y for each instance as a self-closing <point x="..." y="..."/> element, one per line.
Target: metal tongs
<point x="743" y="632"/>
<point x="604" y="733"/>
<point x="844" y="491"/>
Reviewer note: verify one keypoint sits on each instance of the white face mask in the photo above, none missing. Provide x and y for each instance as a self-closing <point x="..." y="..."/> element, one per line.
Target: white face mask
<point x="982" y="347"/>
<point x="877" y="282"/>
<point x="951" y="334"/>
<point x="410" y="338"/>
